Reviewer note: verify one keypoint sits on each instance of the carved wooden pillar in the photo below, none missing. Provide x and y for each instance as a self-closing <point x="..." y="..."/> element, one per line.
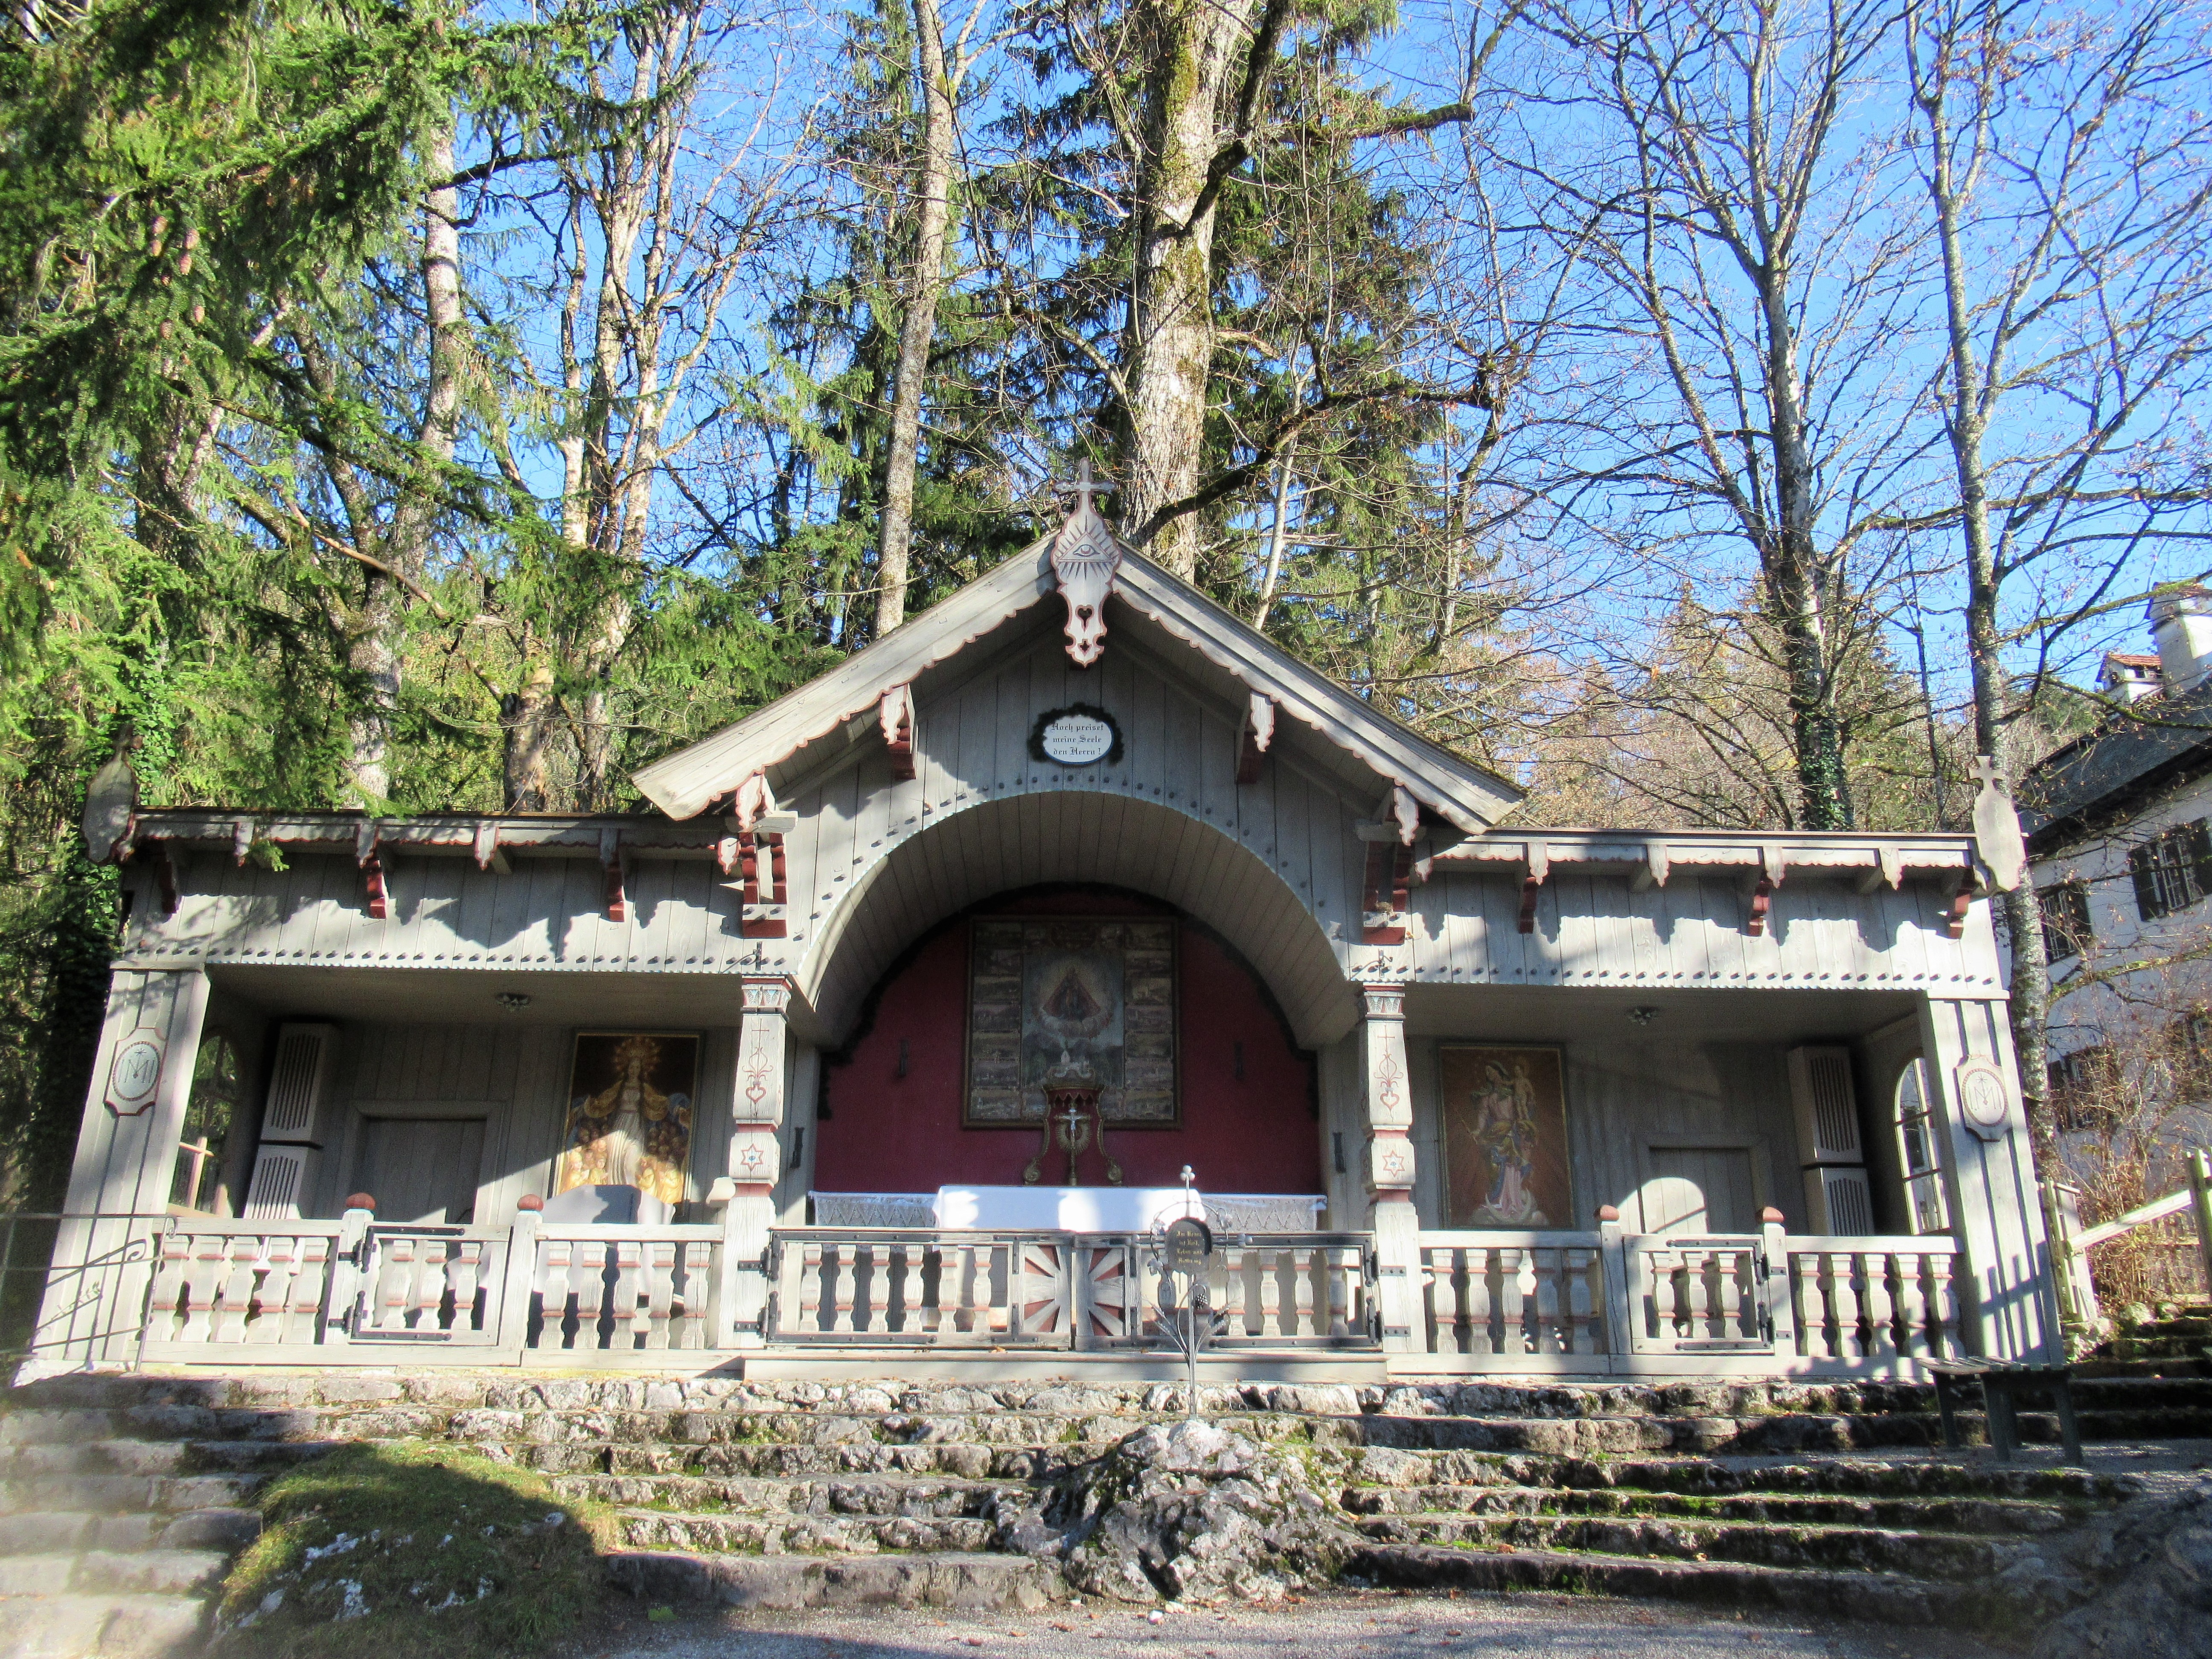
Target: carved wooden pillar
<point x="755" y="1152"/>
<point x="1389" y="1171"/>
<point x="126" y="1157"/>
<point x="2008" y="1304"/>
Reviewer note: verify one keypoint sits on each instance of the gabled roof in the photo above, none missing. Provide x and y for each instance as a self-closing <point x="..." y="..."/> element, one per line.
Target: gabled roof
<point x="682" y="784"/>
<point x="2103" y="774"/>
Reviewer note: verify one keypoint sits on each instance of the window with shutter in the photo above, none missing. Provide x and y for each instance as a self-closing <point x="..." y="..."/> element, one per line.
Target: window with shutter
<point x="2172" y="871"/>
<point x="2066" y="928"/>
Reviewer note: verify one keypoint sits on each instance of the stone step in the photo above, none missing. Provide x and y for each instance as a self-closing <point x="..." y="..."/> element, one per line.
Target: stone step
<point x="1994" y="1517"/>
<point x="46" y="1532"/>
<point x="125" y="1494"/>
<point x="962" y="1581"/>
<point x="791" y="1462"/>
<point x="1697" y="1476"/>
<point x="113" y="1572"/>
<point x="1875" y="1597"/>
<point x="802" y="1534"/>
<point x="114" y="1626"/>
<point x="265" y="1395"/>
<point x="919" y="1496"/>
<point x="151" y="1457"/>
<point x="1834" y="1549"/>
<point x="2116" y="1369"/>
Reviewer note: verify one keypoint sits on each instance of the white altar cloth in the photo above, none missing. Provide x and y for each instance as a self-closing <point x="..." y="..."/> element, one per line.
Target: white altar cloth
<point x="1058" y="1209"/>
<point x="1118" y="1209"/>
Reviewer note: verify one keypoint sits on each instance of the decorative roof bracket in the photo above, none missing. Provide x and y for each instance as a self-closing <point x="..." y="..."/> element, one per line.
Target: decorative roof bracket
<point x="1259" y="730"/>
<point x="1085" y="556"/>
<point x="895" y="714"/>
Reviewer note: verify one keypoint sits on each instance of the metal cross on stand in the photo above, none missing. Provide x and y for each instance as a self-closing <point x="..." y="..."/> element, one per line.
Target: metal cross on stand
<point x="1189" y="1323"/>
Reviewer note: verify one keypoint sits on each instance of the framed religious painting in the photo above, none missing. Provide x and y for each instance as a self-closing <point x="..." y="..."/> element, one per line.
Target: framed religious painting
<point x="629" y="1118"/>
<point x="1087" y="998"/>
<point x="1504" y="1116"/>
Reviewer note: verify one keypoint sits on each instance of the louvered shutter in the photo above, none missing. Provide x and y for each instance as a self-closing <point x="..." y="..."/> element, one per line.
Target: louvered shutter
<point x="2200" y="859"/>
<point x="2143" y="865"/>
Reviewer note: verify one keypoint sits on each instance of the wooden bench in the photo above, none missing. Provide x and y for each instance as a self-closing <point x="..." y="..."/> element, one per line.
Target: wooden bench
<point x="2002" y="1381"/>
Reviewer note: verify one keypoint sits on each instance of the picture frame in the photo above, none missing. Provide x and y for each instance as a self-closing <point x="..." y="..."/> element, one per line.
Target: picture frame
<point x="627" y="1118"/>
<point x="1502" y="1123"/>
<point x="1094" y="995"/>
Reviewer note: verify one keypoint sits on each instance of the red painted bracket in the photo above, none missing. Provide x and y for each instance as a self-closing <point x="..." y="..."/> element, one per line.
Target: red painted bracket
<point x="1390" y="881"/>
<point x="1762" y="903"/>
<point x="755" y="847"/>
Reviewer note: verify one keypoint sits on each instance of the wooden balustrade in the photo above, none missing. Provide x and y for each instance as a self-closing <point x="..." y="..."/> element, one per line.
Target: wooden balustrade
<point x="1534" y="1302"/>
<point x="1610" y="1304"/>
<point x="614" y="1289"/>
<point x="891" y="1286"/>
<point x="239" y="1286"/>
<point x="1511" y="1296"/>
<point x="1874" y="1301"/>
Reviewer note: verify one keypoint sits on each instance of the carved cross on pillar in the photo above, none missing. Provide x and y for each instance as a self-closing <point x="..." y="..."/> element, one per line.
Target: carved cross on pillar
<point x="1997" y="839"/>
<point x="1082" y="485"/>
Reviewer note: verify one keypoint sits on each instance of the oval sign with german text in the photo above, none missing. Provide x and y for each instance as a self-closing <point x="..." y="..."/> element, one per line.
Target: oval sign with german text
<point x="1079" y="735"/>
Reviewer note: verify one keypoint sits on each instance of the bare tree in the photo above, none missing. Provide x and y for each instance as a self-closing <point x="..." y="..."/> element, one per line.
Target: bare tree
<point x="1712" y="169"/>
<point x="942" y="74"/>
<point x="651" y="230"/>
<point x="2066" y="187"/>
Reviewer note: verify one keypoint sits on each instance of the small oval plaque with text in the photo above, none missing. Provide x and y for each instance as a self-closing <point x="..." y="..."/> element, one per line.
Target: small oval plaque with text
<point x="1077" y="736"/>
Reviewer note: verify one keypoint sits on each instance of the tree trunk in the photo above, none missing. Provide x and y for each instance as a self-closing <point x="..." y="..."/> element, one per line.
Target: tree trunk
<point x="525" y="719"/>
<point x="1967" y="426"/>
<point x="918" y="329"/>
<point x="377" y="656"/>
<point x="1191" y="51"/>
<point x="1277" y="533"/>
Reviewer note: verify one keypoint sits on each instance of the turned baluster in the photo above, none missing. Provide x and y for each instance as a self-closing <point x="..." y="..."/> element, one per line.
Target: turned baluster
<point x="1301" y="1292"/>
<point x="1880" y="1309"/>
<point x="1445" y="1268"/>
<point x="660" y="1290"/>
<point x="1235" y="1308"/>
<point x="1271" y="1294"/>
<point x="1911" y="1306"/>
<point x="810" y="1289"/>
<point x="1843" y="1303"/>
<point x="1944" y="1309"/>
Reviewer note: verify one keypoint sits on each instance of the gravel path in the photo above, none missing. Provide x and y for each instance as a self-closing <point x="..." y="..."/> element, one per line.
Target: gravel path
<point x="1376" y="1625"/>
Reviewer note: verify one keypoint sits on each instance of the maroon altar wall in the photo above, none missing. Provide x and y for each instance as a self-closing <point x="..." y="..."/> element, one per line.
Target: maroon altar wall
<point x="888" y="1134"/>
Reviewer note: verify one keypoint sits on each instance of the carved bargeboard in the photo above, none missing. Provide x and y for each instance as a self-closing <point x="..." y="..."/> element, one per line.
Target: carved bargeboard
<point x="1053" y="994"/>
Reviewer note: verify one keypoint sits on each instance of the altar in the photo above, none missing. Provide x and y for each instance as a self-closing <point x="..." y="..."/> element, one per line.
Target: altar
<point x="1069" y="1209"/>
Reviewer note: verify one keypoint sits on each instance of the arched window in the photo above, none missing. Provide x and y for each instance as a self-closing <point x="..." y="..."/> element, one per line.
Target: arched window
<point x="1916" y="1150"/>
<point x="208" y="1121"/>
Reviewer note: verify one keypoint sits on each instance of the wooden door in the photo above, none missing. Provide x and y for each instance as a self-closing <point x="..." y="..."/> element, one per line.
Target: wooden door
<point x="1700" y="1189"/>
<point x="422" y="1170"/>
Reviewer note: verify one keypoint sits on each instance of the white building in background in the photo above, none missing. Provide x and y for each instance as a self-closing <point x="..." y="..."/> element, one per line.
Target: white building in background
<point x="2119" y="836"/>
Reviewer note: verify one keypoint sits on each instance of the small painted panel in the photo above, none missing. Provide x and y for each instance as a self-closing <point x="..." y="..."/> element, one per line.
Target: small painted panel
<point x="1505" y="1116"/>
<point x="135" y="1076"/>
<point x="1983" y="1099"/>
<point x="629" y="1112"/>
<point x="1070" y="998"/>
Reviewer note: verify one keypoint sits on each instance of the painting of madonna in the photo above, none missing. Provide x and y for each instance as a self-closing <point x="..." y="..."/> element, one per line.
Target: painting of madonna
<point x="1505" y="1137"/>
<point x="629" y="1113"/>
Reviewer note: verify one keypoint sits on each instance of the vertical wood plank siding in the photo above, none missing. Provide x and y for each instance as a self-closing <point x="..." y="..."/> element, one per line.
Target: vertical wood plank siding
<point x="1275" y="865"/>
